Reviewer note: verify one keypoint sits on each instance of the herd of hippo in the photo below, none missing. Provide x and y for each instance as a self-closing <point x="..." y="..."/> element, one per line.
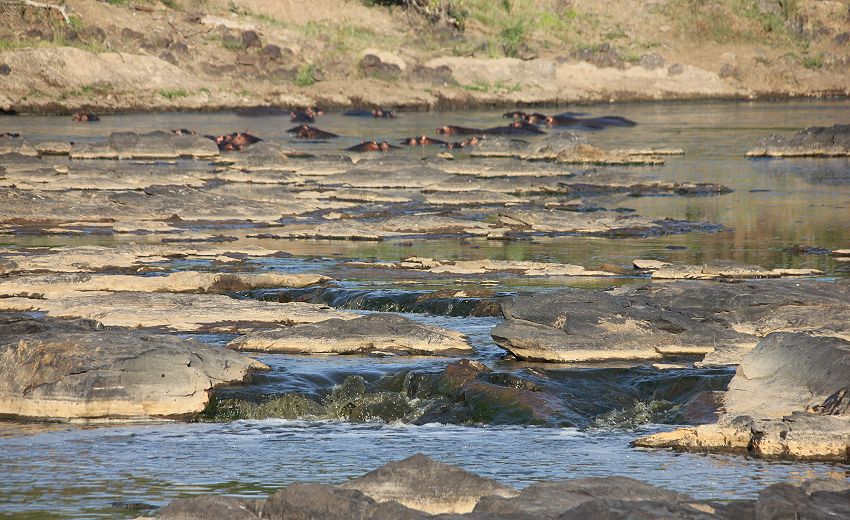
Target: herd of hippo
<point x="523" y="124"/>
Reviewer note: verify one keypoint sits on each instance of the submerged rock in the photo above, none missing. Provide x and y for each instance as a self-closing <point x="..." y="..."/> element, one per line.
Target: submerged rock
<point x="57" y="369"/>
<point x="784" y="402"/>
<point x="815" y="141"/>
<point x="371" y="334"/>
<point x="606" y="224"/>
<point x="720" y="321"/>
<point x="421" y="483"/>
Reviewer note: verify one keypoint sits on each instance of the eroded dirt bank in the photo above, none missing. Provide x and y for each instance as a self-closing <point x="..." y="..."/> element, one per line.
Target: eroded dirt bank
<point x="188" y="55"/>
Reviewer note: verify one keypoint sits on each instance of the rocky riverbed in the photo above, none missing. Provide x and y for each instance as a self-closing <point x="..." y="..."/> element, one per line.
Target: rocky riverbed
<point x="585" y="290"/>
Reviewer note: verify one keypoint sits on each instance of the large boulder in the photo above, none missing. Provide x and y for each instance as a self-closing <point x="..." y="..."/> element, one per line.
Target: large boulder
<point x="421" y="483"/>
<point x="80" y="370"/>
<point x="788" y="399"/>
<point x="374" y="333"/>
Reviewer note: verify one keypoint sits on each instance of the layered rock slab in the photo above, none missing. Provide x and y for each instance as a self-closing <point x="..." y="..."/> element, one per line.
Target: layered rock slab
<point x="57" y="285"/>
<point x="184" y="312"/>
<point x="722" y="321"/>
<point x="374" y="333"/>
<point x="57" y="369"/>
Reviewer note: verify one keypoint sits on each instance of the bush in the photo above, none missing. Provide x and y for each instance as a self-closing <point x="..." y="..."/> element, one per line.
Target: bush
<point x="512" y="38"/>
<point x="306" y="75"/>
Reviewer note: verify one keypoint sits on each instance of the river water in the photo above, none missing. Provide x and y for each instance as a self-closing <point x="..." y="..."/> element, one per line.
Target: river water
<point x="119" y="470"/>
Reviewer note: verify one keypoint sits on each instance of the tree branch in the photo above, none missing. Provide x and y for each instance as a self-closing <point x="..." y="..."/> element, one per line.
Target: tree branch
<point x="42" y="5"/>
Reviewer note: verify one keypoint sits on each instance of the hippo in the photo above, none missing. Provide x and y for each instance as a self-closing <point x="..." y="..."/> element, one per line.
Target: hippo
<point x="458" y="130"/>
<point x="594" y="123"/>
<point x="305" y="116"/>
<point x="515" y="128"/>
<point x="422" y="140"/>
<point x="371" y="146"/>
<point x="472" y="141"/>
<point x="305" y="131"/>
<point x="9" y="135"/>
<point x="235" y="142"/>
<point x="85" y="117"/>
<point x="379" y="113"/>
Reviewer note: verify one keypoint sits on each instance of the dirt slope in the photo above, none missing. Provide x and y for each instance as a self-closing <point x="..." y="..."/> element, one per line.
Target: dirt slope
<point x="212" y="54"/>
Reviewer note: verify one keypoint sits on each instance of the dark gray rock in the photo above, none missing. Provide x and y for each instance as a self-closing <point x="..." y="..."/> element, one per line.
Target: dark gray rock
<point x="424" y="484"/>
<point x="210" y="507"/>
<point x="273" y="52"/>
<point x="675" y="69"/>
<point x="322" y="502"/>
<point x="372" y="65"/>
<point x="787" y="502"/>
<point x="5" y="69"/>
<point x="547" y="500"/>
<point x="652" y="61"/>
<point x="250" y="39"/>
<point x="608" y="509"/>
<point x="130" y="34"/>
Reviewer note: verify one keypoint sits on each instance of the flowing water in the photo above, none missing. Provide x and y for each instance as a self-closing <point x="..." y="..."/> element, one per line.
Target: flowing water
<point x="125" y="470"/>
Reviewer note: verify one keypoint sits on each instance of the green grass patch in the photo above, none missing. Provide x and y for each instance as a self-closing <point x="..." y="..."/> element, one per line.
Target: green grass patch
<point x="306" y="75"/>
<point x="173" y="93"/>
<point x="813" y="62"/>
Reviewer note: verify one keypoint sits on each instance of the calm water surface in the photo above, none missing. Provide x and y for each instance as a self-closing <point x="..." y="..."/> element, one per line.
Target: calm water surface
<point x="74" y="471"/>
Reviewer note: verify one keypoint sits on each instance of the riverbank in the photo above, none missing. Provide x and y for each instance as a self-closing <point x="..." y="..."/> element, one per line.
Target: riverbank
<point x="142" y="56"/>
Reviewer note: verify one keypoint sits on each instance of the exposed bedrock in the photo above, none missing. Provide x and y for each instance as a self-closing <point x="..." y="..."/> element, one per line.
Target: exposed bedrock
<point x="721" y="321"/>
<point x="78" y="369"/>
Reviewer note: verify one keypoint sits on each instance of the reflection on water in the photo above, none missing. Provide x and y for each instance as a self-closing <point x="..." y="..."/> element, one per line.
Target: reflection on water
<point x="103" y="471"/>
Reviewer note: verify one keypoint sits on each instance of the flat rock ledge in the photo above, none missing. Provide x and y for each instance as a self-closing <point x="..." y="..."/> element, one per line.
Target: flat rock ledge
<point x="79" y="370"/>
<point x="183" y="312"/>
<point x="58" y="285"/>
<point x="815" y="141"/>
<point x="152" y="145"/>
<point x="716" y="270"/>
<point x="379" y="333"/>
<point x="789" y="399"/>
<point x="720" y="321"/>
<point x="523" y="267"/>
<point x="418" y="488"/>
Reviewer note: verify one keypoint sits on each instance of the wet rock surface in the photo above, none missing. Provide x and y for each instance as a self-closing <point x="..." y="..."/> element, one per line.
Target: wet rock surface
<point x="417" y="487"/>
<point x="720" y="321"/>
<point x="80" y="370"/>
<point x="815" y="141"/>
